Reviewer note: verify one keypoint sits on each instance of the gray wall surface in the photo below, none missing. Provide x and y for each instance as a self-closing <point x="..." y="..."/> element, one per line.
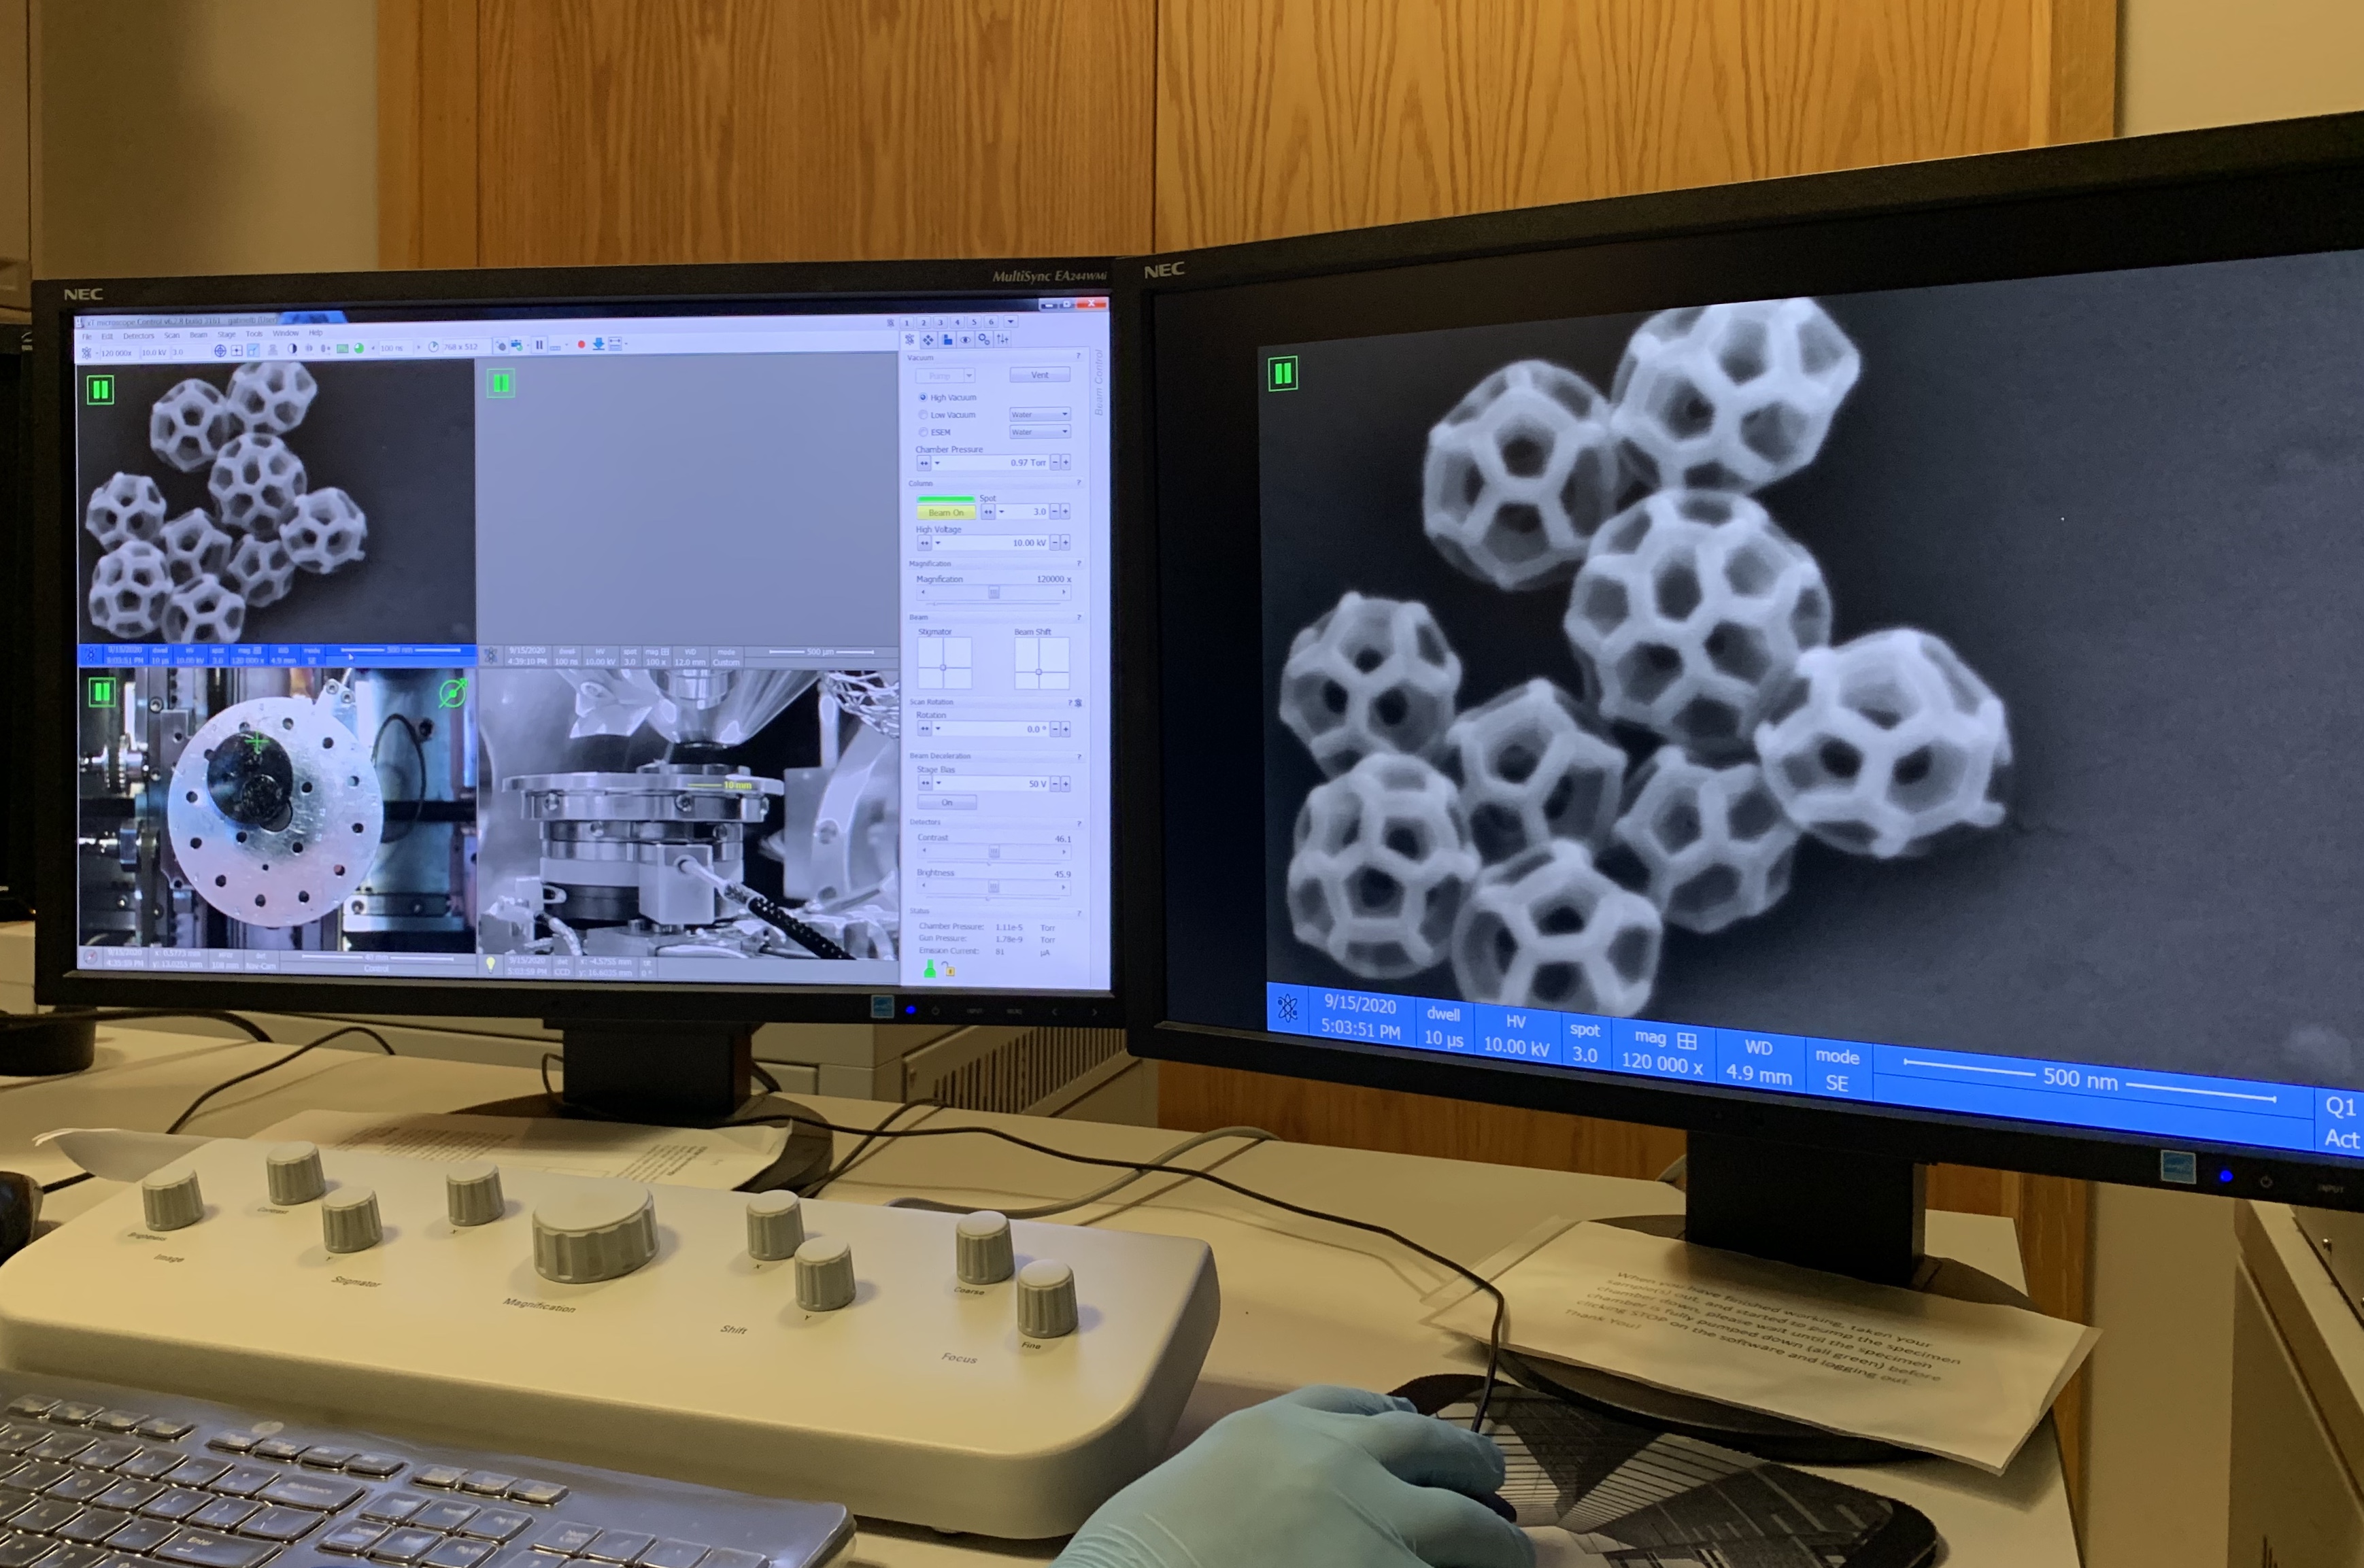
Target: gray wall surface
<point x="688" y="500"/>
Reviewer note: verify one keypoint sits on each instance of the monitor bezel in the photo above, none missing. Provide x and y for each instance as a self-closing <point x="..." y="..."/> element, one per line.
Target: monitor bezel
<point x="1995" y="206"/>
<point x="51" y="721"/>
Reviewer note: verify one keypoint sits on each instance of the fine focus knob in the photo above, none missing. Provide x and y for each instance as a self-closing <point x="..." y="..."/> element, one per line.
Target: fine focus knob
<point x="349" y="1221"/>
<point x="472" y="1193"/>
<point x="595" y="1230"/>
<point x="824" y="1275"/>
<point x="1046" y="1300"/>
<point x="775" y="1226"/>
<point x="981" y="1247"/>
<point x="171" y="1197"/>
<point x="292" y="1172"/>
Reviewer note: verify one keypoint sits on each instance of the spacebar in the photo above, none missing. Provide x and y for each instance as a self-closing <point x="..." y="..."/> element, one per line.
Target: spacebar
<point x="201" y="1548"/>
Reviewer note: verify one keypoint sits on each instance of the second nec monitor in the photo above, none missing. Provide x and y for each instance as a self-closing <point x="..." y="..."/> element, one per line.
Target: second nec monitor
<point x="742" y="646"/>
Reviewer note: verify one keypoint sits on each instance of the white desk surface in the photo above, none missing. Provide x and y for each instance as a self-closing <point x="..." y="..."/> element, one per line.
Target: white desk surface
<point x="1303" y="1301"/>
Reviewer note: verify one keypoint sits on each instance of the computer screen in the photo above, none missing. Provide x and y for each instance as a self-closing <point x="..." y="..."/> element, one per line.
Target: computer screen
<point x="732" y="643"/>
<point x="1939" y="700"/>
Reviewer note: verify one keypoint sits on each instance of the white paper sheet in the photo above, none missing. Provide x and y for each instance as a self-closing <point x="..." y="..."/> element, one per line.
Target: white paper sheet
<point x="719" y="1157"/>
<point x="1965" y="1380"/>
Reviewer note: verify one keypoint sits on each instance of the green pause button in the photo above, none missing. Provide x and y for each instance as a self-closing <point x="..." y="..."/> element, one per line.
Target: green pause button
<point x="1280" y="374"/>
<point x="500" y="381"/>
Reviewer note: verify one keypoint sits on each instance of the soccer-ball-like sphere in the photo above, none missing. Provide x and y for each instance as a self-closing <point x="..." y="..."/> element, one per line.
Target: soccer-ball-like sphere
<point x="1381" y="863"/>
<point x="1547" y="929"/>
<point x="272" y="396"/>
<point x="259" y="571"/>
<point x="193" y="547"/>
<point x="189" y="424"/>
<point x="1370" y="675"/>
<point x="1689" y="613"/>
<point x="1532" y="769"/>
<point x="256" y="483"/>
<point x="1886" y="744"/>
<point x="1707" y="844"/>
<point x="127" y="506"/>
<point x="128" y="589"/>
<point x="1519" y="476"/>
<point x="327" y="532"/>
<point x="203" y="610"/>
<point x="1731" y="397"/>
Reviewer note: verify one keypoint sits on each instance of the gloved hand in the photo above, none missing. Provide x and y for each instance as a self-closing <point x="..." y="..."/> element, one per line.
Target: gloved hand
<point x="1322" y="1478"/>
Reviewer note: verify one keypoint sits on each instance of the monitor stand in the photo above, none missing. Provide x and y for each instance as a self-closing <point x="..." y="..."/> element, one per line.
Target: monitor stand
<point x="679" y="1075"/>
<point x="1839" y="1210"/>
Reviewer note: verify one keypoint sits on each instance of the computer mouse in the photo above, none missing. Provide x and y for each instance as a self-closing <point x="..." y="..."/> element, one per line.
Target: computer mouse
<point x="20" y="1211"/>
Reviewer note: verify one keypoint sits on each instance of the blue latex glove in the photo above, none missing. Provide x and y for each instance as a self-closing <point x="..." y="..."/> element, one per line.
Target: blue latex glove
<point x="1321" y="1478"/>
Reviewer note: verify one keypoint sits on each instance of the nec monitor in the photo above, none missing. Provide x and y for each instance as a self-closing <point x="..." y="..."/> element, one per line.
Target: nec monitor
<point x="727" y="643"/>
<point x="1868" y="661"/>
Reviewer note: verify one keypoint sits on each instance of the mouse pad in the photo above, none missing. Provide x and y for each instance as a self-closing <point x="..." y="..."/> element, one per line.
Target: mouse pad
<point x="1627" y="1495"/>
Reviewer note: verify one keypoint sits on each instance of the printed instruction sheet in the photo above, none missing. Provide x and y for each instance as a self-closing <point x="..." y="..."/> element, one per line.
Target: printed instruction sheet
<point x="719" y="1157"/>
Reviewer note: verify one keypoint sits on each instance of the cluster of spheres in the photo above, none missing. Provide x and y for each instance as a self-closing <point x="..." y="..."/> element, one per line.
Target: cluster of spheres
<point x="1542" y="841"/>
<point x="192" y="578"/>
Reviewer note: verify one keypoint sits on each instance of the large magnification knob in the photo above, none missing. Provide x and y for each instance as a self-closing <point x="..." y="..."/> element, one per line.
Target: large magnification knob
<point x="472" y="1193"/>
<point x="349" y="1221"/>
<point x="775" y="1226"/>
<point x="824" y="1275"/>
<point x="595" y="1230"/>
<point x="981" y="1248"/>
<point x="292" y="1172"/>
<point x="1046" y="1300"/>
<point x="171" y="1197"/>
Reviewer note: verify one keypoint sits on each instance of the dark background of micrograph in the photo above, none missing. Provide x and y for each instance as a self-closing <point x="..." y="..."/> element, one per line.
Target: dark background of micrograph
<point x="2134" y="504"/>
<point x="400" y="437"/>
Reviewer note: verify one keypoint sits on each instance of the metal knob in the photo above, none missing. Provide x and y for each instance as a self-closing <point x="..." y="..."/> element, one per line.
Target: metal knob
<point x="981" y="1248"/>
<point x="349" y="1221"/>
<point x="775" y="1226"/>
<point x="170" y="1198"/>
<point x="595" y="1230"/>
<point x="292" y="1172"/>
<point x="1046" y="1300"/>
<point x="824" y="1275"/>
<point x="472" y="1193"/>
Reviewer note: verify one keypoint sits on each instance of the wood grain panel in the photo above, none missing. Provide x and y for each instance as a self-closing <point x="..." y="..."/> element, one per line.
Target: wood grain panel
<point x="427" y="151"/>
<point x="704" y="131"/>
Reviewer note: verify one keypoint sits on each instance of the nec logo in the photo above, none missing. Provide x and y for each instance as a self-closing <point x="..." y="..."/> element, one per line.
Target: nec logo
<point x="86" y="294"/>
<point x="1163" y="269"/>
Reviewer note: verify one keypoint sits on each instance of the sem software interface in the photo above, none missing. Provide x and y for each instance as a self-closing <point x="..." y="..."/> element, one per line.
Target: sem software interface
<point x="763" y="648"/>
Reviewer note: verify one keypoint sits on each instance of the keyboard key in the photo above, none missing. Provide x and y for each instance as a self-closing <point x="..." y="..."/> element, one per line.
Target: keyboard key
<point x="174" y="1503"/>
<point x="444" y="1476"/>
<point x="75" y="1556"/>
<point x="117" y="1421"/>
<point x="568" y="1539"/>
<point x="72" y="1412"/>
<point x="445" y="1514"/>
<point x="672" y="1555"/>
<point x="81" y="1485"/>
<point x="731" y="1557"/>
<point x="459" y="1551"/>
<point x="312" y="1492"/>
<point x="376" y="1466"/>
<point x="199" y="1471"/>
<point x="619" y="1545"/>
<point x="281" y="1524"/>
<point x="139" y="1534"/>
<point x="108" y="1454"/>
<point x="167" y="1428"/>
<point x="12" y="1499"/>
<point x="204" y="1549"/>
<point x="21" y="1550"/>
<point x="232" y="1443"/>
<point x="149" y="1464"/>
<point x="93" y="1524"/>
<point x="531" y="1557"/>
<point x="392" y="1508"/>
<point x="325" y="1456"/>
<point x="224" y="1513"/>
<point x="352" y="1539"/>
<point x="30" y="1405"/>
<point x="542" y="1492"/>
<point x="129" y="1496"/>
<point x="244" y="1480"/>
<point x="45" y="1515"/>
<point x="38" y="1475"/>
<point x="403" y="1545"/>
<point x="15" y="1438"/>
<point x="276" y="1448"/>
<point x="59" y="1445"/>
<point x="496" y="1524"/>
<point x="487" y="1483"/>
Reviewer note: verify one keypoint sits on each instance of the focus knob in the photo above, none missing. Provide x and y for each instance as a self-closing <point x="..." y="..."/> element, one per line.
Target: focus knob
<point x="292" y="1172"/>
<point x="981" y="1248"/>
<point x="824" y="1275"/>
<point x="472" y="1193"/>
<point x="1046" y="1300"/>
<point x="595" y="1230"/>
<point x="349" y="1221"/>
<point x="775" y="1226"/>
<point x="170" y="1198"/>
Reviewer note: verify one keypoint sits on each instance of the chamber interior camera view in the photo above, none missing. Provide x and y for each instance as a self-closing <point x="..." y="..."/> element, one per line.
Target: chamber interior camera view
<point x="1936" y="697"/>
<point x="762" y="647"/>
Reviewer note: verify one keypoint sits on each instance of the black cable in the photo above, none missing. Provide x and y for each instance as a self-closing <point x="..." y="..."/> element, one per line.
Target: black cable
<point x="804" y="936"/>
<point x="842" y="1166"/>
<point x="182" y="1119"/>
<point x="64" y="1182"/>
<point x="765" y="1078"/>
<point x="547" y="1058"/>
<point x="418" y="801"/>
<point x="118" y="1015"/>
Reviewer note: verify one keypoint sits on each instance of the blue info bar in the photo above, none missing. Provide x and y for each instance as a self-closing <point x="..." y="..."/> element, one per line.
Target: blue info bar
<point x="267" y="655"/>
<point x="2179" y="1106"/>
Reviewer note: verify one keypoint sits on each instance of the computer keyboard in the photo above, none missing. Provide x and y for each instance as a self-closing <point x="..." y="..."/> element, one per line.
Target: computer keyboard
<point x="94" y="1476"/>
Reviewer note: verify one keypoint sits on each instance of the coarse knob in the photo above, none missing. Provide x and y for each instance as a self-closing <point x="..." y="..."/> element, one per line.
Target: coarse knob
<point x="824" y="1275"/>
<point x="775" y="1226"/>
<point x="349" y="1221"/>
<point x="594" y="1230"/>
<point x="472" y="1193"/>
<point x="170" y="1198"/>
<point x="1046" y="1300"/>
<point x="981" y="1248"/>
<point x="292" y="1172"/>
